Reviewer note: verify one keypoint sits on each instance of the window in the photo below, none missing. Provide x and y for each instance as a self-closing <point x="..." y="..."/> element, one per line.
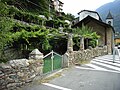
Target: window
<point x="109" y="22"/>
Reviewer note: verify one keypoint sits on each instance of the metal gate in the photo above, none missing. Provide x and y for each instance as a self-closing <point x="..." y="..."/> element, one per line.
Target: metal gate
<point x="52" y="61"/>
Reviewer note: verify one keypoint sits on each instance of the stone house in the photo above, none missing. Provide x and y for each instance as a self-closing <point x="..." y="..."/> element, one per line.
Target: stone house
<point x="105" y="30"/>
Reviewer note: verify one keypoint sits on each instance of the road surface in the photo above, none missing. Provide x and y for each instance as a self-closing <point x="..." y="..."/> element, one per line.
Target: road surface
<point x="100" y="74"/>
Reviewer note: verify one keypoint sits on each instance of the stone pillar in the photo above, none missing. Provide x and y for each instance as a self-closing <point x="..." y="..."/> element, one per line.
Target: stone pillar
<point x="109" y="41"/>
<point x="70" y="51"/>
<point x="36" y="55"/>
<point x="65" y="62"/>
<point x="82" y="44"/>
<point x="70" y="43"/>
<point x="36" y="60"/>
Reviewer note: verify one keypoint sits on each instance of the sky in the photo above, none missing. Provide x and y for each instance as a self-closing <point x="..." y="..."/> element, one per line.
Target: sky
<point x="75" y="6"/>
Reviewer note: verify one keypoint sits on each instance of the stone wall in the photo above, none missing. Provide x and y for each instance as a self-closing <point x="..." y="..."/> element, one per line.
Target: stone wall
<point x="11" y="53"/>
<point x="79" y="57"/>
<point x="110" y="40"/>
<point x="106" y="35"/>
<point x="100" y="30"/>
<point x="16" y="73"/>
<point x="82" y="56"/>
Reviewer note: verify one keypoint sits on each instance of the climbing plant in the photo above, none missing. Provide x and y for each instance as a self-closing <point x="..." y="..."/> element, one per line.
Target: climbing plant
<point x="25" y="31"/>
<point x="15" y="34"/>
<point x="5" y="35"/>
<point x="87" y="33"/>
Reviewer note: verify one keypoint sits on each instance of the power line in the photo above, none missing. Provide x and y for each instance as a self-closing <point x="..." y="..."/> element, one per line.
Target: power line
<point x="33" y="3"/>
<point x="42" y="8"/>
<point x="38" y="5"/>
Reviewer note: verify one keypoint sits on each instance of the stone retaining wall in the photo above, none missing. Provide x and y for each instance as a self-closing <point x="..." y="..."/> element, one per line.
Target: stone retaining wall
<point x="18" y="72"/>
<point x="82" y="56"/>
<point x="78" y="57"/>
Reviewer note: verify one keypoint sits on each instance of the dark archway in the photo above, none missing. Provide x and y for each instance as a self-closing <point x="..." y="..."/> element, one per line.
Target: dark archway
<point x="59" y="45"/>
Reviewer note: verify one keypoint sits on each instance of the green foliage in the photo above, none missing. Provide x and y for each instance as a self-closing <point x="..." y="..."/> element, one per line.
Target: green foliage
<point x="12" y="12"/>
<point x="5" y="27"/>
<point x="84" y="31"/>
<point x="3" y="9"/>
<point x="34" y="6"/>
<point x="17" y="33"/>
<point x="5" y="35"/>
<point x="95" y="35"/>
<point x="55" y="23"/>
<point x="93" y="43"/>
<point x="64" y="16"/>
<point x="27" y="37"/>
<point x="87" y="33"/>
<point x="69" y="17"/>
<point x="31" y="36"/>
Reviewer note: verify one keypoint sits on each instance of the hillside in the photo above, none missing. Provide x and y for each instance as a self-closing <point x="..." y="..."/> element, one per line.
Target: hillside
<point x="34" y="6"/>
<point x="114" y="8"/>
<point x="21" y="32"/>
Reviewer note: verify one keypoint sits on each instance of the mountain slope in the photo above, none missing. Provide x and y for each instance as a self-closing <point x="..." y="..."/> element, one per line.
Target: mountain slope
<point x="114" y="8"/>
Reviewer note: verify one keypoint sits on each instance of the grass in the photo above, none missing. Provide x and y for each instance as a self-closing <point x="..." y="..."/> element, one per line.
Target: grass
<point x="82" y="62"/>
<point x="46" y="80"/>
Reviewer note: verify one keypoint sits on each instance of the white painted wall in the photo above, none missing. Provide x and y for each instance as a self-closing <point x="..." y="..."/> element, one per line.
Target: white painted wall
<point x="84" y="14"/>
<point x="109" y="20"/>
<point x="56" y="3"/>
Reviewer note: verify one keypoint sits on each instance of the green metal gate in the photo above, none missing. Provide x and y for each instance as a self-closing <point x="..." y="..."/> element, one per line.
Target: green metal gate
<point x="52" y="61"/>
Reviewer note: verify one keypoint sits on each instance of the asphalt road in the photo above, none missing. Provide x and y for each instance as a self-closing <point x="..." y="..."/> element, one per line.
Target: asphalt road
<point x="81" y="79"/>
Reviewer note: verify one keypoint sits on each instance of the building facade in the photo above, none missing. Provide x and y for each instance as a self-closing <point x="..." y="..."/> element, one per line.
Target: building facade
<point x="58" y="5"/>
<point x="104" y="30"/>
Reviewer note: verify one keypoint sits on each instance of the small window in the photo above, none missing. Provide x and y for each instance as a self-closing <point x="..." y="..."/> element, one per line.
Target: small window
<point x="109" y="22"/>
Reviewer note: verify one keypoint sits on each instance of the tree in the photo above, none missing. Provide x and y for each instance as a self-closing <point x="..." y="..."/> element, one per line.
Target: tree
<point x="69" y="16"/>
<point x="86" y="32"/>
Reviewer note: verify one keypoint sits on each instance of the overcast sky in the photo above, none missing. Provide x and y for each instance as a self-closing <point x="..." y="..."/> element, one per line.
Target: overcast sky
<point x="75" y="6"/>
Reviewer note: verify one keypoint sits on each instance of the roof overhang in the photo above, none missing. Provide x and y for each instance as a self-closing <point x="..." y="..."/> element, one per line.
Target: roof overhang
<point x="88" y="19"/>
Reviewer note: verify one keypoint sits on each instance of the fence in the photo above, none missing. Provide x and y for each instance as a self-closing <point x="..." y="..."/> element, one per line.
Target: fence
<point x="52" y="61"/>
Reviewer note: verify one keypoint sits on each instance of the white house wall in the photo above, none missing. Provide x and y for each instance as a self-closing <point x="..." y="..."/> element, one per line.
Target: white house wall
<point x="84" y="14"/>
